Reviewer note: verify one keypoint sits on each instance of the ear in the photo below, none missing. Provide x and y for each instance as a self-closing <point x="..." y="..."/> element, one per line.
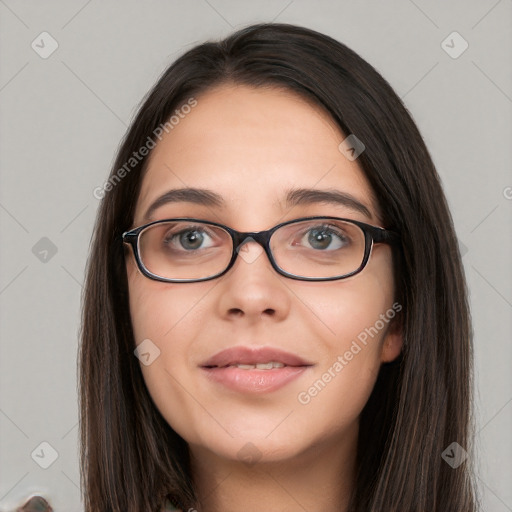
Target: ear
<point x="392" y="343"/>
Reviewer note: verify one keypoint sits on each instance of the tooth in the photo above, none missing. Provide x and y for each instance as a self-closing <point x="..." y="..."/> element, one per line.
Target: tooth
<point x="264" y="366"/>
<point x="260" y="366"/>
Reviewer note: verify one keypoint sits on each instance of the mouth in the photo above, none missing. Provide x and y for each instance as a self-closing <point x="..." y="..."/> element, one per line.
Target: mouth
<point x="253" y="366"/>
<point x="254" y="370"/>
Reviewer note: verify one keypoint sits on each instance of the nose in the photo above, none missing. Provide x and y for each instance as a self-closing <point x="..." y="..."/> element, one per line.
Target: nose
<point x="252" y="287"/>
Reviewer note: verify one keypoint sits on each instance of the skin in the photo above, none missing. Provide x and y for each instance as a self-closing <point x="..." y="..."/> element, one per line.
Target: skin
<point x="251" y="145"/>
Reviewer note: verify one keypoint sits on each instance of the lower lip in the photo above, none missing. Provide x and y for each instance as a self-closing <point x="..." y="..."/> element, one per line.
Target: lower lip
<point x="254" y="381"/>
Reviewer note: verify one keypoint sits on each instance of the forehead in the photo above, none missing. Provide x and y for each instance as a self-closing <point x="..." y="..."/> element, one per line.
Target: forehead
<point x="251" y="145"/>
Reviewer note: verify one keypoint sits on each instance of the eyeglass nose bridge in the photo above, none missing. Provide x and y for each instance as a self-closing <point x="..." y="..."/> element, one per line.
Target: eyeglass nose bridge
<point x="260" y="237"/>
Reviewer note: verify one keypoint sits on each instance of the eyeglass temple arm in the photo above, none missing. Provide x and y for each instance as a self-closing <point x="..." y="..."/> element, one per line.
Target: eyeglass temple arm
<point x="381" y="235"/>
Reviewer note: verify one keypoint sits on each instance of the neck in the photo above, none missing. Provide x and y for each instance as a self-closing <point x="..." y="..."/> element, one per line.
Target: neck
<point x="320" y="478"/>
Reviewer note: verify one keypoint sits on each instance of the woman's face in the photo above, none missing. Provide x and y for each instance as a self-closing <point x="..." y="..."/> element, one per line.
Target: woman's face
<point x="252" y="147"/>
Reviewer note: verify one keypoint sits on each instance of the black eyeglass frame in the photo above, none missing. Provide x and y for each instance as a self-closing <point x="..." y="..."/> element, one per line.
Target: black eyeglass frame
<point x="372" y="235"/>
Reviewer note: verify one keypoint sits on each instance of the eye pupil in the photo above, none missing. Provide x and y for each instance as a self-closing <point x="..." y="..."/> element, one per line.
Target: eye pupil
<point x="319" y="236"/>
<point x="191" y="240"/>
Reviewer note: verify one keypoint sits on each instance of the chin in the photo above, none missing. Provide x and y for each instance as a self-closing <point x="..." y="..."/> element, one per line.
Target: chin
<point x="254" y="452"/>
<point x="251" y="448"/>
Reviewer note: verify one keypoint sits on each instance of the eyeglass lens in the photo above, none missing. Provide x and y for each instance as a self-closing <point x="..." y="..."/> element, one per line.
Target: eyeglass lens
<point x="319" y="248"/>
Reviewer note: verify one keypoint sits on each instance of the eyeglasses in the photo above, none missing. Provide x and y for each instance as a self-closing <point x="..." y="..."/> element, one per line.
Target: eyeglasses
<point x="184" y="250"/>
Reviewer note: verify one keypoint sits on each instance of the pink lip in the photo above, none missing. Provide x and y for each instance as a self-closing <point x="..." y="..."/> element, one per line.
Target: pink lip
<point x="247" y="355"/>
<point x="218" y="369"/>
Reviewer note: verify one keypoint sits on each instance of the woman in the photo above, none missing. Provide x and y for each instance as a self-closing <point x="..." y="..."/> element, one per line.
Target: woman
<point x="275" y="310"/>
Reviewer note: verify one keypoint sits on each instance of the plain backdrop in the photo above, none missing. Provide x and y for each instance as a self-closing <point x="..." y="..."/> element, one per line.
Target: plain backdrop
<point x="62" y="115"/>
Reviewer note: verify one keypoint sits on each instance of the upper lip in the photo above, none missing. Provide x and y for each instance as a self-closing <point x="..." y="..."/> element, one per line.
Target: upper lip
<point x="248" y="355"/>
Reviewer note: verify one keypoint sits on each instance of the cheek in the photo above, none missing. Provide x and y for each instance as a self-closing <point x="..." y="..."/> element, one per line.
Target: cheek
<point x="171" y="316"/>
<point x="168" y="314"/>
<point x="351" y="320"/>
<point x="357" y="309"/>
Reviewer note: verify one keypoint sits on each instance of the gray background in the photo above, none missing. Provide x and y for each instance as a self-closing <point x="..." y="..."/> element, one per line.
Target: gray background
<point x="62" y="119"/>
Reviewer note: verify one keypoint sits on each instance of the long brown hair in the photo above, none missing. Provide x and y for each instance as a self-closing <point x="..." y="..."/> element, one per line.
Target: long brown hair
<point x="130" y="457"/>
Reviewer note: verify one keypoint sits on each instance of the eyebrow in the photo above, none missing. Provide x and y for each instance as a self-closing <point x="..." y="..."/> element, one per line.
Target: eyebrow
<point x="301" y="196"/>
<point x="294" y="197"/>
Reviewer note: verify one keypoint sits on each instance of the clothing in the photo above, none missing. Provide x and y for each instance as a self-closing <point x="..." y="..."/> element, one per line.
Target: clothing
<point x="169" y="507"/>
<point x="39" y="504"/>
<point x="35" y="504"/>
